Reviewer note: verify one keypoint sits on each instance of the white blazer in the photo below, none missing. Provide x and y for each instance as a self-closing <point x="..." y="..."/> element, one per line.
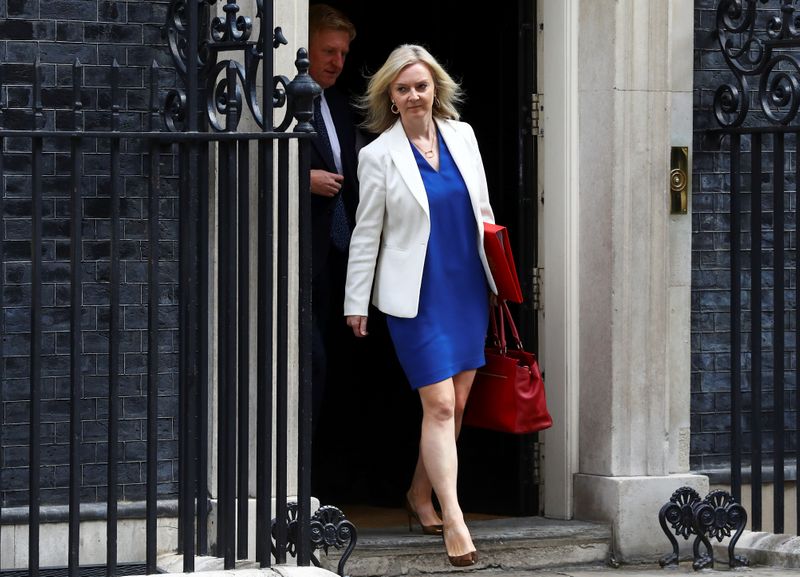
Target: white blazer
<point x="390" y="239"/>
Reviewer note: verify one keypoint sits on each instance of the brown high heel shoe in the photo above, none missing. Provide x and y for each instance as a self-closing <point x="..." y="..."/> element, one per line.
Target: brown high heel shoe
<point x="414" y="516"/>
<point x="465" y="560"/>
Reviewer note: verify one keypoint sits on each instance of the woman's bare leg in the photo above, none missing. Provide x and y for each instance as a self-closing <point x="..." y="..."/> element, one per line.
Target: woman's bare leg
<point x="440" y="459"/>
<point x="462" y="382"/>
<point x="419" y="495"/>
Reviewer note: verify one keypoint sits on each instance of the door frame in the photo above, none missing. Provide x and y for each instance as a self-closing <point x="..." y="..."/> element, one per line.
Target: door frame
<point x="521" y="173"/>
<point x="558" y="248"/>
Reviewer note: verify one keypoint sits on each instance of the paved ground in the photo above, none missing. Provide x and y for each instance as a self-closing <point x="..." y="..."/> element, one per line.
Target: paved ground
<point x="632" y="571"/>
<point x="385" y="547"/>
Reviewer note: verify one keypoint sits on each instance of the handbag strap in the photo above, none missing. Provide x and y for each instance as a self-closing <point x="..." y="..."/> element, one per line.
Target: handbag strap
<point x="514" y="333"/>
<point x="499" y="315"/>
<point x="494" y="338"/>
<point x="502" y="328"/>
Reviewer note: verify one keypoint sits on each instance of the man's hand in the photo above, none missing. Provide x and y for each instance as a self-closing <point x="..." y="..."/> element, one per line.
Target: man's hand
<point x="326" y="183"/>
<point x="358" y="324"/>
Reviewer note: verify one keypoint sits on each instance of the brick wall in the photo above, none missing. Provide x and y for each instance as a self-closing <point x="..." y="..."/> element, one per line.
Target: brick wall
<point x="96" y="32"/>
<point x="711" y="279"/>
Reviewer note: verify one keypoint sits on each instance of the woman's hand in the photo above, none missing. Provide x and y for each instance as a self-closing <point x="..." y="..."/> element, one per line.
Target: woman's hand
<point x="358" y="324"/>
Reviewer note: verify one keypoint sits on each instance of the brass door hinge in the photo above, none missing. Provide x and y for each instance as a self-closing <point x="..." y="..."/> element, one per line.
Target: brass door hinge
<point x="538" y="300"/>
<point x="537" y="464"/>
<point x="537" y="106"/>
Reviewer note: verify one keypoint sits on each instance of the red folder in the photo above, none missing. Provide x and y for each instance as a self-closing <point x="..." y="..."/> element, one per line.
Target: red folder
<point x="501" y="262"/>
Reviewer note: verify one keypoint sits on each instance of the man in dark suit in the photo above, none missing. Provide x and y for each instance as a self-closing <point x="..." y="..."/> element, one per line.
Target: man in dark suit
<point x="334" y="189"/>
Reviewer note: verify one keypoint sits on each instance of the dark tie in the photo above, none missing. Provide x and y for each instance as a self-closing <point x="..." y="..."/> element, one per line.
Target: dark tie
<point x="340" y="228"/>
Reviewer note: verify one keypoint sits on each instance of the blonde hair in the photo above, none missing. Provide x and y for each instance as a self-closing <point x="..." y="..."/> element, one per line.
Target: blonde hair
<point x="376" y="102"/>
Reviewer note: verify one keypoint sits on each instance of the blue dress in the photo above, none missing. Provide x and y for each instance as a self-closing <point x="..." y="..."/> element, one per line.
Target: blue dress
<point x="449" y="332"/>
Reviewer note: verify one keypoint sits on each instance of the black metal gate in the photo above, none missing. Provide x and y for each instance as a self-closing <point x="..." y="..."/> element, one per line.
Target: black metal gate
<point x="757" y="116"/>
<point x="187" y="131"/>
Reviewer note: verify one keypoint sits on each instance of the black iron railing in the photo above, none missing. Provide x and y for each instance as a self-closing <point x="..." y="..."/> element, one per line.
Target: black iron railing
<point x="186" y="130"/>
<point x="756" y="114"/>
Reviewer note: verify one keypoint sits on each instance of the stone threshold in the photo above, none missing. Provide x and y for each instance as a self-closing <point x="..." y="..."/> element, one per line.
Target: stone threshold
<point x="518" y="543"/>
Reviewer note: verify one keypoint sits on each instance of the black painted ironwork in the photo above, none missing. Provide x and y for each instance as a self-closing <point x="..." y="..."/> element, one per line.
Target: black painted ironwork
<point x="242" y="511"/>
<point x="187" y="127"/>
<point x="231" y="33"/>
<point x="759" y="41"/>
<point x="153" y="209"/>
<point x="188" y="359"/>
<point x="678" y="513"/>
<point x="736" y="319"/>
<point x="716" y="516"/>
<point x="760" y="46"/>
<point x="35" y="412"/>
<point x="797" y="340"/>
<point x="330" y="528"/>
<point x="756" y="307"/>
<point x="2" y="274"/>
<point x="264" y="321"/>
<point x="123" y="569"/>
<point x="779" y="328"/>
<point x="76" y="299"/>
<point x="302" y="91"/>
<point x="114" y="333"/>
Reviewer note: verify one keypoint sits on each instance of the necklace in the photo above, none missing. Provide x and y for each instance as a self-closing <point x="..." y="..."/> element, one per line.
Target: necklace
<point x="427" y="153"/>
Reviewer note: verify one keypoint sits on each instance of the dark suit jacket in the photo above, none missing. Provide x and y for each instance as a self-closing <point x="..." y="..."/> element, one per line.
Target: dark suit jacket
<point x="322" y="207"/>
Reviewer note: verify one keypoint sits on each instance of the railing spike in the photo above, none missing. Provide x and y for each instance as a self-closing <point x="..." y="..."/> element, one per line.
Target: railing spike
<point x="77" y="80"/>
<point x="115" y="107"/>
<point x="2" y="97"/>
<point x="77" y="103"/>
<point x="154" y="110"/>
<point x="37" y="94"/>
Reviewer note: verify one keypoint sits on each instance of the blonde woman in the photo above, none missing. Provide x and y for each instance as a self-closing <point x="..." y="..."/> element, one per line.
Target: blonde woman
<point x="417" y="254"/>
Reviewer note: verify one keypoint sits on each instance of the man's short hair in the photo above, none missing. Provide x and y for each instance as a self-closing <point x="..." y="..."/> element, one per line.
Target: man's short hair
<point x="325" y="17"/>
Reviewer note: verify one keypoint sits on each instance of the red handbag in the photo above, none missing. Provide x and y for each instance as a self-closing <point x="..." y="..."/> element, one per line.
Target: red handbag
<point x="508" y="392"/>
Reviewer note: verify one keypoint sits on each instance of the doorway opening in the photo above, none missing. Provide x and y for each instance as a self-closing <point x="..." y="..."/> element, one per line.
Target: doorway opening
<point x="367" y="440"/>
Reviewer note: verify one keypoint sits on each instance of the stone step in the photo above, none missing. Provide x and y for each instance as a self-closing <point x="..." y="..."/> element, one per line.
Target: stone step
<point x="511" y="544"/>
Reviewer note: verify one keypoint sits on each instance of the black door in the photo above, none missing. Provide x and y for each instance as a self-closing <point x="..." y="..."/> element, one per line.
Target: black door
<point x="367" y="443"/>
